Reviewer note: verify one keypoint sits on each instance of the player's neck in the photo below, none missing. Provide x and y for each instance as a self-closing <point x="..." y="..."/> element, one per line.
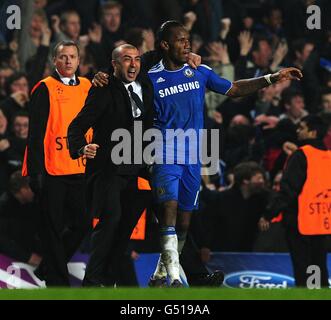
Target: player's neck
<point x="172" y="65"/>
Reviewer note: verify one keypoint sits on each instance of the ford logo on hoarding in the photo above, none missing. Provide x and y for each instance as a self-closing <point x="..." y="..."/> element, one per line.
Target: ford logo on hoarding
<point x="258" y="279"/>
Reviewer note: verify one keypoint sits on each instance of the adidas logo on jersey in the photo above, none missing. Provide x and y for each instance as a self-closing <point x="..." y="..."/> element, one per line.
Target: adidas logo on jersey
<point x="160" y="80"/>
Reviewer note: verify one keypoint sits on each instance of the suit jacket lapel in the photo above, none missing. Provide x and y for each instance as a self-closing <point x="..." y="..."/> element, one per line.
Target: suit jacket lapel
<point x="128" y="108"/>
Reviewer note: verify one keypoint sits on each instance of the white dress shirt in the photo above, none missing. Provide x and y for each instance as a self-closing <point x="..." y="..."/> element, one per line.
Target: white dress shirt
<point x="136" y="112"/>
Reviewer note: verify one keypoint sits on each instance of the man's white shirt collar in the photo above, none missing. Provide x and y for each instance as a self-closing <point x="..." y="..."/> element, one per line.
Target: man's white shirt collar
<point x="66" y="80"/>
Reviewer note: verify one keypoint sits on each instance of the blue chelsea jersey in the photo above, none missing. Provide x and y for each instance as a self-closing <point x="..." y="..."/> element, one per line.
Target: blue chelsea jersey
<point x="179" y="98"/>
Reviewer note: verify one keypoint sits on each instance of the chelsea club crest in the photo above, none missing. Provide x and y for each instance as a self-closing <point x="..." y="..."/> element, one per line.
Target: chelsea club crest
<point x="188" y="73"/>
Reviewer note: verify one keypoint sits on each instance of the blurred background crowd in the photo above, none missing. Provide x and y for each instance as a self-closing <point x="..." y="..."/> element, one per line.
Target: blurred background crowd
<point x="238" y="39"/>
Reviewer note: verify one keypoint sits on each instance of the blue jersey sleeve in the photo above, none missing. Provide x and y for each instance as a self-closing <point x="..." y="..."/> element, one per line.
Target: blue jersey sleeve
<point x="214" y="81"/>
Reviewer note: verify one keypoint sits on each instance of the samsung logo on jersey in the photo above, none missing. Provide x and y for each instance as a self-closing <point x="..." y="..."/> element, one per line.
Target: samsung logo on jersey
<point x="178" y="89"/>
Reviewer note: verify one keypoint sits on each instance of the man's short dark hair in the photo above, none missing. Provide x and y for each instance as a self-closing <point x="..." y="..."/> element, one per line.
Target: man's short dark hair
<point x="65" y="43"/>
<point x="316" y="123"/>
<point x="17" y="182"/>
<point x="245" y="171"/>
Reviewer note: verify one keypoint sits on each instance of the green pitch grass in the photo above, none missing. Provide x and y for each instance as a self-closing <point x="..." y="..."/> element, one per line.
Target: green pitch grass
<point x="164" y="294"/>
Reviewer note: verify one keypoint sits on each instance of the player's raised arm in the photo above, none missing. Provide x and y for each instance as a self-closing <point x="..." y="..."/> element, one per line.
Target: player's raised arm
<point x="247" y="86"/>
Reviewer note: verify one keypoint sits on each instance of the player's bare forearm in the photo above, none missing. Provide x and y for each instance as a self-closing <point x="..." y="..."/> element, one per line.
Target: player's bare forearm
<point x="248" y="86"/>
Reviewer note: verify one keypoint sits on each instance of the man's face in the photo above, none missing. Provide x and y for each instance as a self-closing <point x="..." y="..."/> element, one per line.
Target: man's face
<point x="112" y="19"/>
<point x="72" y="26"/>
<point x="36" y="25"/>
<point x="296" y="106"/>
<point x="304" y="133"/>
<point x="256" y="183"/>
<point x="263" y="55"/>
<point x="326" y="103"/>
<point x="20" y="85"/>
<point x="127" y="65"/>
<point x="276" y="19"/>
<point x="178" y="47"/>
<point x="4" y="74"/>
<point x="66" y="60"/>
<point x="21" y="127"/>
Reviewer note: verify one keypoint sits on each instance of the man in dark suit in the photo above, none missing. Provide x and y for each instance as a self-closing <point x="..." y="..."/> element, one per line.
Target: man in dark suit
<point x="112" y="193"/>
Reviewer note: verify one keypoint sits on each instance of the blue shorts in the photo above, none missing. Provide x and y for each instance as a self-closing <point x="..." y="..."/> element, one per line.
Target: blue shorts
<point x="177" y="182"/>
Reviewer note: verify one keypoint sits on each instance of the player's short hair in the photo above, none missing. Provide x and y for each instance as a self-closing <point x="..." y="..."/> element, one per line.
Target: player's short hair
<point x="316" y="123"/>
<point x="245" y="171"/>
<point x="64" y="43"/>
<point x="164" y="32"/>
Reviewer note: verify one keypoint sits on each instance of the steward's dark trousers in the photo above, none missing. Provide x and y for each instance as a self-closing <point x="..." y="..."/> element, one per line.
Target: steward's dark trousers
<point x="64" y="223"/>
<point x="306" y="251"/>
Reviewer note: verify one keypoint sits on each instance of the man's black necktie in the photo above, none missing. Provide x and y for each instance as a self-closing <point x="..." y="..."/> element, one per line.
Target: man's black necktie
<point x="136" y="99"/>
<point x="71" y="82"/>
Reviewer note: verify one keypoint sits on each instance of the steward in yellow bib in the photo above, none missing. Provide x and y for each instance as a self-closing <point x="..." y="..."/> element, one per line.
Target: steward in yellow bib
<point x="305" y="200"/>
<point x="57" y="180"/>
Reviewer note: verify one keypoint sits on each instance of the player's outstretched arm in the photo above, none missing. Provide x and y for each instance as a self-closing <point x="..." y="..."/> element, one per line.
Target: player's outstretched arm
<point x="247" y="86"/>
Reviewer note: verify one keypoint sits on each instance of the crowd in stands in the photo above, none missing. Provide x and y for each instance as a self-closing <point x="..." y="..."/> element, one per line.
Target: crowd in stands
<point x="238" y="39"/>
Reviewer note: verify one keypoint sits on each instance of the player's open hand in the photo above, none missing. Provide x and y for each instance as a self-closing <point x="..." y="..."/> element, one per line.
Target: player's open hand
<point x="288" y="74"/>
<point x="100" y="79"/>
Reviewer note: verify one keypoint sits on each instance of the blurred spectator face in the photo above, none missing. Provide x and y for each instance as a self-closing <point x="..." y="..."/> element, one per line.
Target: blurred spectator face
<point x="20" y="85"/>
<point x="326" y="103"/>
<point x="262" y="56"/>
<point x="305" y="53"/>
<point x="66" y="60"/>
<point x="248" y="23"/>
<point x="127" y="65"/>
<point x="304" y="133"/>
<point x="239" y="119"/>
<point x="3" y="122"/>
<point x="276" y="182"/>
<point x="72" y="26"/>
<point x="36" y="26"/>
<point x="296" y="107"/>
<point x="275" y="20"/>
<point x="40" y="4"/>
<point x="256" y="183"/>
<point x="112" y="19"/>
<point x="4" y="74"/>
<point x="21" y="126"/>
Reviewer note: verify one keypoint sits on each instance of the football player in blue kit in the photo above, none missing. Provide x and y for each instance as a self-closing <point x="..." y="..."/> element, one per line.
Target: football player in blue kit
<point x="179" y="101"/>
<point x="179" y="115"/>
